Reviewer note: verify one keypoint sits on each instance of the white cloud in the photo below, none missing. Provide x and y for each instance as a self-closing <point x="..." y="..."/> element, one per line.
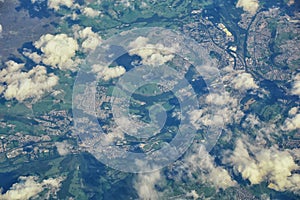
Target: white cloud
<point x="90" y="39"/>
<point x="90" y="12"/>
<point x="250" y="6"/>
<point x="29" y="187"/>
<point x="292" y="123"/>
<point x="125" y="3"/>
<point x="151" y="54"/>
<point x="296" y="85"/>
<point x="63" y="148"/>
<point x="55" y="4"/>
<point x="251" y="121"/>
<point x="244" y="81"/>
<point x="35" y="57"/>
<point x="23" y="85"/>
<point x="202" y="162"/>
<point x="293" y="111"/>
<point x="221" y="99"/>
<point x="219" y="110"/>
<point x="193" y="194"/>
<point x="265" y="164"/>
<point x="114" y="134"/>
<point x="2" y="88"/>
<point x="58" y="50"/>
<point x="107" y="73"/>
<point x="291" y="2"/>
<point x="145" y="185"/>
<point x="204" y="117"/>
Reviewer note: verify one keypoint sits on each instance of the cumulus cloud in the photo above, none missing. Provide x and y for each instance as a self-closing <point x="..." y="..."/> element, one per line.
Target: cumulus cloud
<point x="243" y="81"/>
<point x="107" y="73"/>
<point x="251" y="121"/>
<point x="221" y="99"/>
<point x="90" y="12"/>
<point x="23" y="85"/>
<point x="58" y="51"/>
<point x="250" y="6"/>
<point x="265" y="164"/>
<point x="291" y="2"/>
<point x="202" y="162"/>
<point x="265" y="132"/>
<point x="151" y="54"/>
<point x="34" y="56"/>
<point x="55" y="4"/>
<point x="145" y="185"/>
<point x="63" y="148"/>
<point x="29" y="187"/>
<point x="193" y="194"/>
<point x="204" y="117"/>
<point x="219" y="110"/>
<point x="296" y="85"/>
<point x="293" y="111"/>
<point x="292" y="123"/>
<point x="125" y="3"/>
<point x="90" y="39"/>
